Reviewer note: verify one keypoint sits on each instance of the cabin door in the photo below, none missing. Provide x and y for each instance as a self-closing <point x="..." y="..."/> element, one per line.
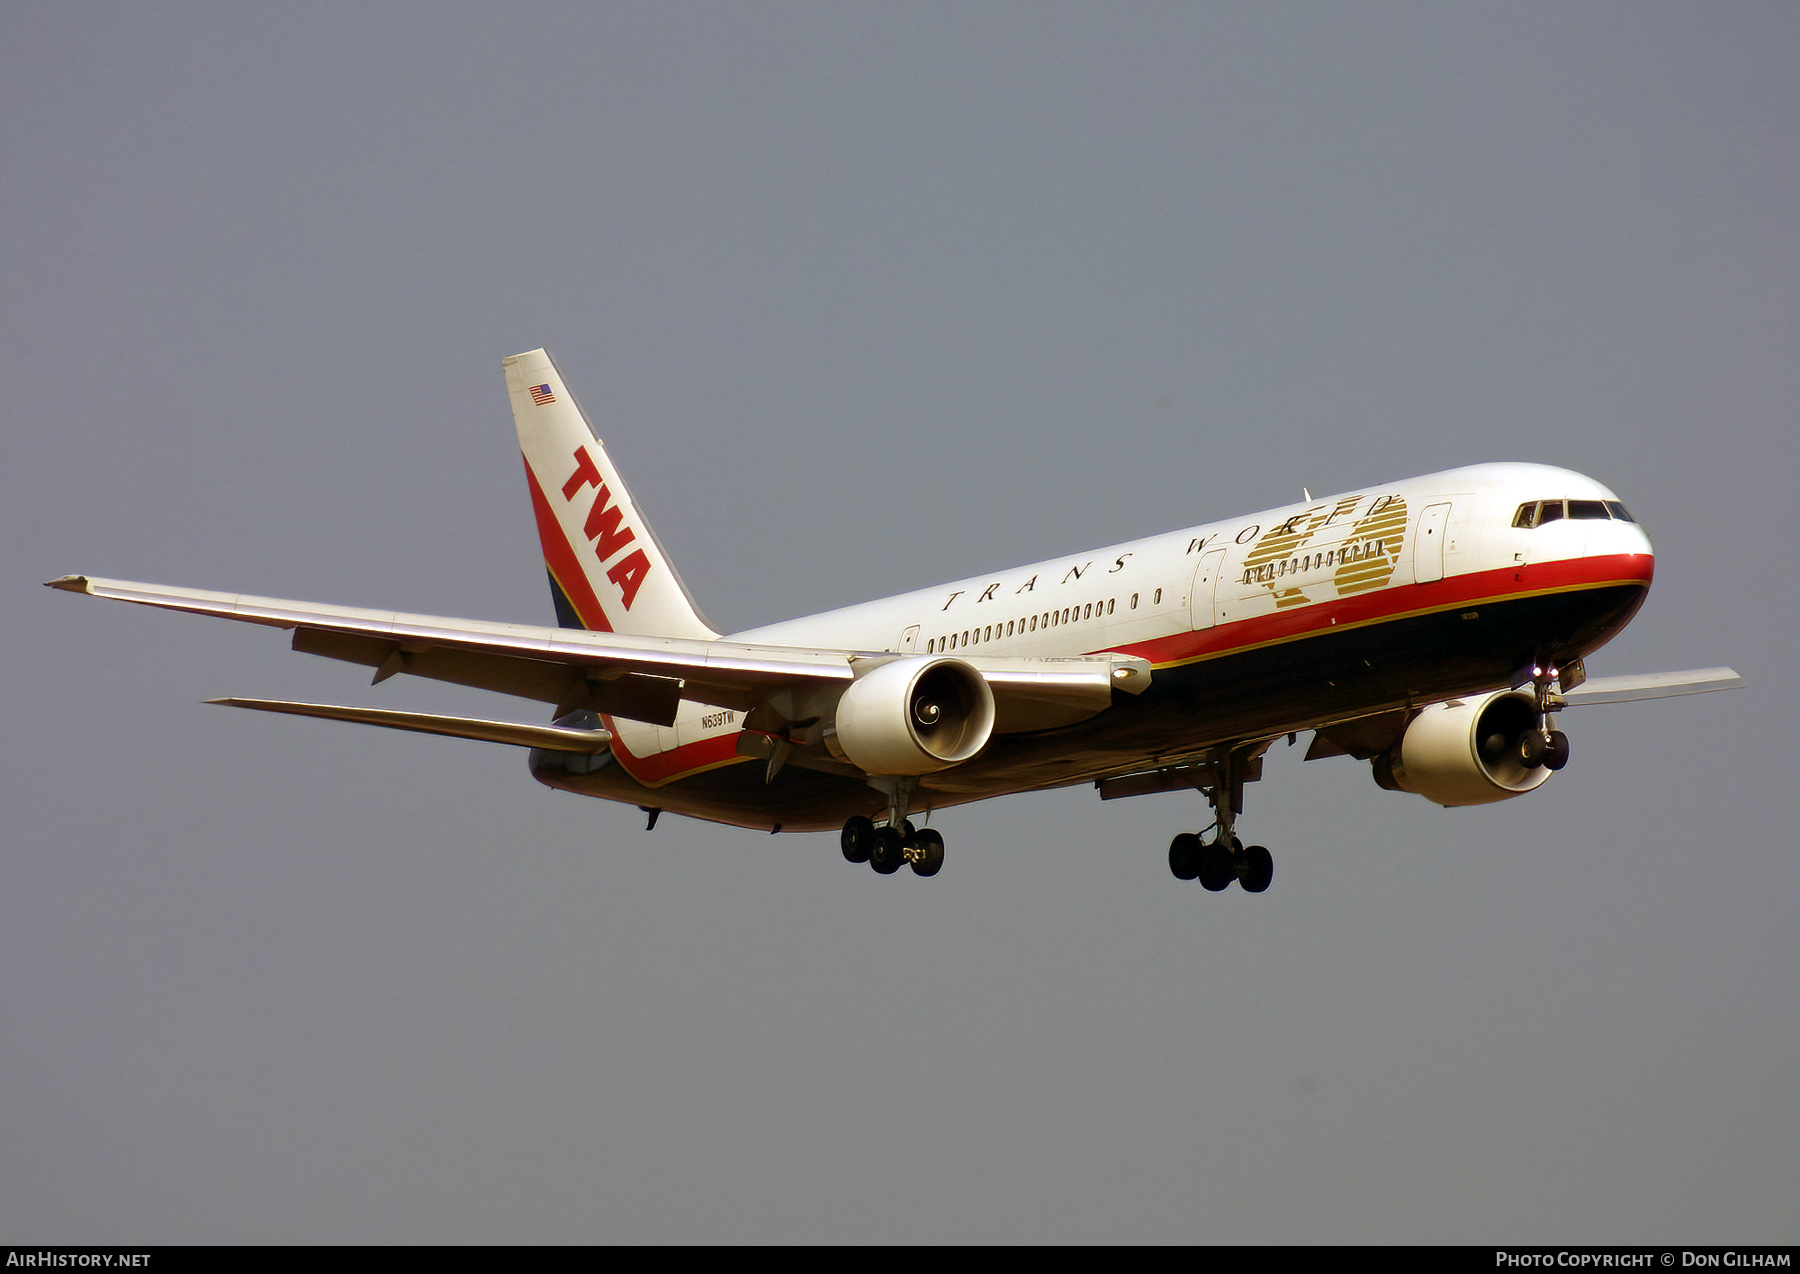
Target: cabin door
<point x="1203" y="605"/>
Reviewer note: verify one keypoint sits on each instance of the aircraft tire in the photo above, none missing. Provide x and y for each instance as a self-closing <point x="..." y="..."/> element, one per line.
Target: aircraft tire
<point x="928" y="859"/>
<point x="1184" y="856"/>
<point x="888" y="851"/>
<point x="1556" y="753"/>
<point x="1259" y="869"/>
<point x="857" y="838"/>
<point x="1532" y="749"/>
<point x="1216" y="868"/>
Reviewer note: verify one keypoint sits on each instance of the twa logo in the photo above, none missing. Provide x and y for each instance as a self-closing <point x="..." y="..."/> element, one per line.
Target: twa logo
<point x="604" y="529"/>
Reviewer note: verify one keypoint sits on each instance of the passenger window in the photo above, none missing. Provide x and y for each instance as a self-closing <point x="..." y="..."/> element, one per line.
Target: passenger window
<point x="1156" y="598"/>
<point x="1088" y="611"/>
<point x="1134" y="599"/>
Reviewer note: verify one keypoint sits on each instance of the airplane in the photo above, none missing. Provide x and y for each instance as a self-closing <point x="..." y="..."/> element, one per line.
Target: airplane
<point x="1431" y="627"/>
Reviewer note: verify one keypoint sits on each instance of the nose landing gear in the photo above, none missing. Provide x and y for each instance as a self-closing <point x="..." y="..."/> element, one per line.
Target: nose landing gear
<point x="1544" y="744"/>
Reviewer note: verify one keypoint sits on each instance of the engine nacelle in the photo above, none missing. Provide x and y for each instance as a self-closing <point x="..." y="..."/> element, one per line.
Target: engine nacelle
<point x="914" y="716"/>
<point x="1464" y="752"/>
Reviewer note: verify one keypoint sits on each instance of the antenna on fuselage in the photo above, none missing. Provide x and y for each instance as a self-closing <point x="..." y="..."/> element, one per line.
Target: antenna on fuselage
<point x="1307" y="494"/>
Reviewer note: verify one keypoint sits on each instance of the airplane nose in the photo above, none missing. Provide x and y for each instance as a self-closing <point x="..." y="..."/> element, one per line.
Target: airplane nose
<point x="1618" y="537"/>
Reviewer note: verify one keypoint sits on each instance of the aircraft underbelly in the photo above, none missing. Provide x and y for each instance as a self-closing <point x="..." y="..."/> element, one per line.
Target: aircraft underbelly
<point x="1244" y="694"/>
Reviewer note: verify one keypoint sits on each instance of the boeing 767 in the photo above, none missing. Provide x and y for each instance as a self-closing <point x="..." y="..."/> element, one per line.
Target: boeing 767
<point x="1431" y="627"/>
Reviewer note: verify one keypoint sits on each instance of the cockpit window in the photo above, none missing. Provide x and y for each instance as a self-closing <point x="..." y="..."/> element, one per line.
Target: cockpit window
<point x="1538" y="512"/>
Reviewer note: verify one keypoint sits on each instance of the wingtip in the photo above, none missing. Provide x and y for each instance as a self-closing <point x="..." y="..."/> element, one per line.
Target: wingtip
<point x="69" y="583"/>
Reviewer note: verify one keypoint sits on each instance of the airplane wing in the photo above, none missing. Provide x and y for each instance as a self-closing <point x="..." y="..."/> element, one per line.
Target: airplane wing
<point x="1653" y="685"/>
<point x="641" y="678"/>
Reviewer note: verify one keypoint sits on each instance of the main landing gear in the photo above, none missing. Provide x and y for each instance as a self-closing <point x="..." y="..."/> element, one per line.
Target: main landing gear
<point x="888" y="849"/>
<point x="1215" y="863"/>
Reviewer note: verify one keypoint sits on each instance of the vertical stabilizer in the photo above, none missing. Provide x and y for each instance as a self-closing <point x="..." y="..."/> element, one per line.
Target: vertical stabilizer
<point x="607" y="571"/>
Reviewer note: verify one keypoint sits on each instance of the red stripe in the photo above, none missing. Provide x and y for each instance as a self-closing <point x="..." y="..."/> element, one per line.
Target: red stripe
<point x="1380" y="605"/>
<point x="660" y="767"/>
<point x="559" y="556"/>
<point x="677" y="763"/>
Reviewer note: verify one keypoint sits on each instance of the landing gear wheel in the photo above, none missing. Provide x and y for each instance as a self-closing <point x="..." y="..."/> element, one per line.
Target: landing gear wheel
<point x="1184" y="856"/>
<point x="857" y="838"/>
<point x="1556" y="750"/>
<point x="887" y="851"/>
<point x="1532" y="749"/>
<point x="1216" y="868"/>
<point x="928" y="853"/>
<point x="1256" y="869"/>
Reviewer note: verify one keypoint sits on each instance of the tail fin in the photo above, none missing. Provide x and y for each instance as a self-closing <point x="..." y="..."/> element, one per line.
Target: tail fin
<point x="607" y="570"/>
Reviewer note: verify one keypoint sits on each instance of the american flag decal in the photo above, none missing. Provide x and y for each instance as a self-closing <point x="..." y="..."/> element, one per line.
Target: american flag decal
<point x="541" y="395"/>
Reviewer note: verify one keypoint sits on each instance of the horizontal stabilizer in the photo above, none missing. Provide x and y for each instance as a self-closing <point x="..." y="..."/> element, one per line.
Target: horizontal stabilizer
<point x="1653" y="685"/>
<point x="550" y="737"/>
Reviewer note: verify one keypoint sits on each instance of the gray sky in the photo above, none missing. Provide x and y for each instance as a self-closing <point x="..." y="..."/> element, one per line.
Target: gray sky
<point x="864" y="298"/>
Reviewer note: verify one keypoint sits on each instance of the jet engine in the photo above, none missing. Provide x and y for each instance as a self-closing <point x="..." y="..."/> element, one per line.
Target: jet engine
<point x="1469" y="751"/>
<point x="914" y="716"/>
